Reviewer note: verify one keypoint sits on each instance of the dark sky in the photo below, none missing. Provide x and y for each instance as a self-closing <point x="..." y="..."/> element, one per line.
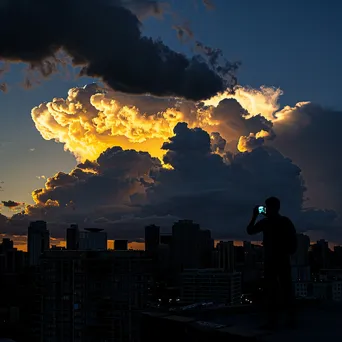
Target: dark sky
<point x="294" y="45"/>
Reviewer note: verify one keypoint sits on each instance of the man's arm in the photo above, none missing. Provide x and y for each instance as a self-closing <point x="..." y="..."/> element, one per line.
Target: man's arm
<point x="255" y="228"/>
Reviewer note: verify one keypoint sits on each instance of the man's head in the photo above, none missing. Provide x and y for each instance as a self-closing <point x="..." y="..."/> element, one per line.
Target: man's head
<point x="272" y="206"/>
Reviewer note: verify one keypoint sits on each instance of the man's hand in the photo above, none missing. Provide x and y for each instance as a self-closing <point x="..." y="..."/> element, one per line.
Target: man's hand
<point x="255" y="228"/>
<point x="256" y="211"/>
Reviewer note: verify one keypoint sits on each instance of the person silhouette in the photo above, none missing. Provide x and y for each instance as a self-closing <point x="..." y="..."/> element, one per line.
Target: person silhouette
<point x="279" y="243"/>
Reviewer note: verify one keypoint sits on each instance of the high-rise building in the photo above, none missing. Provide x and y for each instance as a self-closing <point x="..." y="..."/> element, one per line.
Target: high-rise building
<point x="7" y="244"/>
<point x="12" y="261"/>
<point x="301" y="257"/>
<point x="338" y="256"/>
<point x="38" y="241"/>
<point x="16" y="309"/>
<point x="93" y="296"/>
<point x="300" y="260"/>
<point x="93" y="239"/>
<point x="226" y="255"/>
<point x="73" y="237"/>
<point x="186" y="246"/>
<point x="206" y="248"/>
<point x="249" y="255"/>
<point x="121" y="245"/>
<point x="215" y="258"/>
<point x="191" y="246"/>
<point x="166" y="239"/>
<point x="152" y="238"/>
<point x="320" y="255"/>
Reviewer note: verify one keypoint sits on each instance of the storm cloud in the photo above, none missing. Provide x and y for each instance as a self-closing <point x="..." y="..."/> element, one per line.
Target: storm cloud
<point x="209" y="161"/>
<point x="310" y="135"/>
<point x="104" y="38"/>
<point x="124" y="186"/>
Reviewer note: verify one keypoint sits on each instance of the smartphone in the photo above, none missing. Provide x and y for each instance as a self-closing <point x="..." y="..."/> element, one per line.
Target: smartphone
<point x="262" y="209"/>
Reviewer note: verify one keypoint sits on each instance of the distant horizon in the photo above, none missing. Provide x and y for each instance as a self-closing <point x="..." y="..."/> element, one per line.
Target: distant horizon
<point x="21" y="244"/>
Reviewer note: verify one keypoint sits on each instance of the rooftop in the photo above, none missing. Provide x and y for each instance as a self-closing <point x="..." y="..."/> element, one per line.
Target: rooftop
<point x="93" y="230"/>
<point x="314" y="324"/>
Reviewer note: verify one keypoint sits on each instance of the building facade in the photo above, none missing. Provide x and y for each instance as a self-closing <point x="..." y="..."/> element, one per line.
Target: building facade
<point x="73" y="238"/>
<point x="38" y="241"/>
<point x="210" y="285"/>
<point x="93" y="239"/>
<point x="92" y="296"/>
<point x="226" y="255"/>
<point x="152" y="238"/>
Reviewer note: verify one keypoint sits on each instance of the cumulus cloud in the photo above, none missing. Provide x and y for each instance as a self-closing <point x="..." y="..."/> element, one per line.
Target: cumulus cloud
<point x="13" y="205"/>
<point x="309" y="134"/>
<point x="113" y="179"/>
<point x="3" y="221"/>
<point x="91" y="120"/>
<point x="220" y="195"/>
<point x="111" y="47"/>
<point x="306" y="133"/>
<point x="10" y="204"/>
<point x="232" y="121"/>
<point x="264" y="100"/>
<point x="216" y="159"/>
<point x="112" y="187"/>
<point x="252" y="141"/>
<point x="124" y="189"/>
<point x="218" y="144"/>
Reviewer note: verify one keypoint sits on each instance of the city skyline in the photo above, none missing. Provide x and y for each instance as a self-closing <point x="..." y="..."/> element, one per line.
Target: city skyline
<point x="77" y="158"/>
<point x="86" y="291"/>
<point x="20" y="241"/>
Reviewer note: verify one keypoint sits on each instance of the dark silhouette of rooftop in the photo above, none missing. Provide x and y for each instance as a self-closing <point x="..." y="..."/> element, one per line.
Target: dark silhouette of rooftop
<point x="94" y="230"/>
<point x="317" y="322"/>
